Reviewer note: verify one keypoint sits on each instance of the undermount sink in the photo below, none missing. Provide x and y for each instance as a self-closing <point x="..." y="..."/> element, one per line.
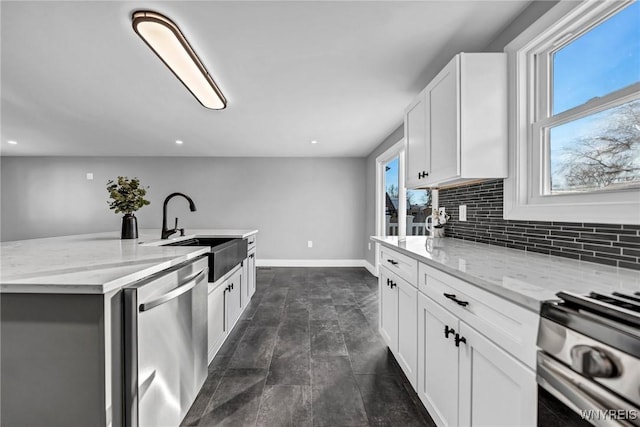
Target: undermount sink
<point x="225" y="253"/>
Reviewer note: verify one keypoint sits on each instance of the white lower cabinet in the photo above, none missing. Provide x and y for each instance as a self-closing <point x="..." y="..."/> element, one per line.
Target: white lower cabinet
<point x="225" y="305"/>
<point x="388" y="311"/>
<point x="465" y="379"/>
<point x="398" y="321"/>
<point x="217" y="328"/>
<point x="438" y="362"/>
<point x="407" y="352"/>
<point x="233" y="298"/>
<point x="495" y="388"/>
<point x="250" y="274"/>
<point x="468" y="353"/>
<point x="227" y="299"/>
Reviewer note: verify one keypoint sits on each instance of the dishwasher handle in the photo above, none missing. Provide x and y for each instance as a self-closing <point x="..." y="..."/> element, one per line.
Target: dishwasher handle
<point x="189" y="283"/>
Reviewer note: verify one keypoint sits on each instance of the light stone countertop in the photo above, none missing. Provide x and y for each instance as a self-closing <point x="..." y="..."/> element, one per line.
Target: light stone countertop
<point x="526" y="278"/>
<point x="93" y="263"/>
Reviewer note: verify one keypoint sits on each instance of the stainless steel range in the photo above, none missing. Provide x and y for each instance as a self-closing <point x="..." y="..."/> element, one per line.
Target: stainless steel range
<point x="590" y="355"/>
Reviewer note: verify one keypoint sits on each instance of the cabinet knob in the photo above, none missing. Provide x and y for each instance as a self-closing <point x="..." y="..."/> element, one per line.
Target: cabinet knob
<point x="448" y="330"/>
<point x="459" y="340"/>
<point x="388" y="282"/>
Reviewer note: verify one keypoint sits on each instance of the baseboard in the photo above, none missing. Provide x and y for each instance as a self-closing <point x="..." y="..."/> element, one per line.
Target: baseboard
<point x="370" y="267"/>
<point x="312" y="263"/>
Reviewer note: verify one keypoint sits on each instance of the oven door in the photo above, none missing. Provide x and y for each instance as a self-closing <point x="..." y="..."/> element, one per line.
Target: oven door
<point x="585" y="397"/>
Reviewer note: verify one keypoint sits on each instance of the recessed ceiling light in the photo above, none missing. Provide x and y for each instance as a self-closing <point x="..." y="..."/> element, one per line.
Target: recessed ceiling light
<point x="167" y="41"/>
<point x="178" y="142"/>
<point x="314" y="142"/>
<point x="12" y="142"/>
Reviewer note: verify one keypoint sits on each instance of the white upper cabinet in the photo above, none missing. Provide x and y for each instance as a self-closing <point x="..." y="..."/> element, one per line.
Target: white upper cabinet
<point x="456" y="129"/>
<point x="415" y="130"/>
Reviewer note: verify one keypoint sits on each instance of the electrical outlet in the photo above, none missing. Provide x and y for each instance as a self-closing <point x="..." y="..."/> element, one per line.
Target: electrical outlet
<point x="462" y="212"/>
<point x="369" y="245"/>
<point x="310" y="244"/>
<point x="442" y="212"/>
<point x="89" y="176"/>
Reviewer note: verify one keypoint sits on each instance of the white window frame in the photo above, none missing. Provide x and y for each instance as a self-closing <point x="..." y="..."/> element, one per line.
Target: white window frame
<point x="524" y="197"/>
<point x="398" y="149"/>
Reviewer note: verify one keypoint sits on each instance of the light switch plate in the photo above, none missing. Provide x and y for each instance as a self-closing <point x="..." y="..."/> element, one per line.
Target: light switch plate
<point x="89" y="176"/>
<point x="310" y="244"/>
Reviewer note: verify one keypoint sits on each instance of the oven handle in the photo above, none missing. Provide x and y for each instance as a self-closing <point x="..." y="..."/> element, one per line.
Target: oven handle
<point x="189" y="283"/>
<point x="581" y="393"/>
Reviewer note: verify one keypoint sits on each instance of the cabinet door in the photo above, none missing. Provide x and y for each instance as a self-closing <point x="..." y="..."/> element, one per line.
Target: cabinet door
<point x="244" y="279"/>
<point x="437" y="362"/>
<point x="233" y="303"/>
<point x="251" y="274"/>
<point x="388" y="310"/>
<point x="442" y="119"/>
<point x="495" y="388"/>
<point x="417" y="150"/>
<point x="217" y="330"/>
<point x="407" y="354"/>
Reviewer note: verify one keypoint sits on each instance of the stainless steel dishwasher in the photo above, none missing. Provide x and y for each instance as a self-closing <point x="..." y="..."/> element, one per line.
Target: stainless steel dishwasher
<point x="165" y="344"/>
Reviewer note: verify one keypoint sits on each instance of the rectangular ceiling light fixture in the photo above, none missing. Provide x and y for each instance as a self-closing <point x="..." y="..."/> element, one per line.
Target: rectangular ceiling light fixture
<point x="166" y="40"/>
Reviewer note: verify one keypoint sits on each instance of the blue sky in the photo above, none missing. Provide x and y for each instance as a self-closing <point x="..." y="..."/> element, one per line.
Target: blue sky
<point x="602" y="60"/>
<point x="391" y="176"/>
<point x="605" y="59"/>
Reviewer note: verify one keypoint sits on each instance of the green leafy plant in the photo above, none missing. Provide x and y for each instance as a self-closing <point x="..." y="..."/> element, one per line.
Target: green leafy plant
<point x="127" y="195"/>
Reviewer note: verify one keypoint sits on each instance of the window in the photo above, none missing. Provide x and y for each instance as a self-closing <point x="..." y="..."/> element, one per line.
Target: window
<point x="575" y="80"/>
<point x="415" y="206"/>
<point x="399" y="211"/>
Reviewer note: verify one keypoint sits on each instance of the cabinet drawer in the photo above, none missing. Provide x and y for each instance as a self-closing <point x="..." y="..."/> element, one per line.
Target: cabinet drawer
<point x="402" y="265"/>
<point x="512" y="327"/>
<point x="251" y="242"/>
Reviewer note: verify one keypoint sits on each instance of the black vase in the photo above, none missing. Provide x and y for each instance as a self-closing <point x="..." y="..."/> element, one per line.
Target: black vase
<point x="129" y="227"/>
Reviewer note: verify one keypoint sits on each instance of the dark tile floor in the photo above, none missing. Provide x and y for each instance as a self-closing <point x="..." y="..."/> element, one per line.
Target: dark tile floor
<point x="307" y="352"/>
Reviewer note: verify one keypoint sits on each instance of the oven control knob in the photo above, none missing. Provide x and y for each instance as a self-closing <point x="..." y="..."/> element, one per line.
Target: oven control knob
<point x="593" y="362"/>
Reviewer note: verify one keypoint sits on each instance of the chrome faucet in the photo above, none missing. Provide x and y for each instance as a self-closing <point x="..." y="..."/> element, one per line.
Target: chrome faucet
<point x="166" y="232"/>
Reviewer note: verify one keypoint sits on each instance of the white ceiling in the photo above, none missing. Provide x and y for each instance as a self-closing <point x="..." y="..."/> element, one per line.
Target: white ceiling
<point x="77" y="80"/>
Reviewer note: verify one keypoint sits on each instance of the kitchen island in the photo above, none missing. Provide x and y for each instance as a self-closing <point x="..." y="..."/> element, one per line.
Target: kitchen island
<point x="62" y="331"/>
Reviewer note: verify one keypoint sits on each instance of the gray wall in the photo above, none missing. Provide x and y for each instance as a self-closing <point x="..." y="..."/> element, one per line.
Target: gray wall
<point x="535" y="10"/>
<point x="290" y="200"/>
